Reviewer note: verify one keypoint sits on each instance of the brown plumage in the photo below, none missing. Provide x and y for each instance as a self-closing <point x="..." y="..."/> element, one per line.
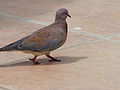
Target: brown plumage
<point x="44" y="40"/>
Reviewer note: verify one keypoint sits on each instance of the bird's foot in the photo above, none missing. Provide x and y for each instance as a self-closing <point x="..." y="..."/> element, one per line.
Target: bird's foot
<point x="33" y="60"/>
<point x="54" y="60"/>
<point x="36" y="63"/>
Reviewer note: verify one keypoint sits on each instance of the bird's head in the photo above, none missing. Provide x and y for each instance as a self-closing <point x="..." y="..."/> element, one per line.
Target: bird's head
<point x="62" y="14"/>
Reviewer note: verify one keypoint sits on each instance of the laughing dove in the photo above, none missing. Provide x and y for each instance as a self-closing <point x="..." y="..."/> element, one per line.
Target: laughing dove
<point x="44" y="40"/>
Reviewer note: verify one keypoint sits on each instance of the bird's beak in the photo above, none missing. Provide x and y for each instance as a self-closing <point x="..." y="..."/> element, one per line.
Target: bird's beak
<point x="69" y="15"/>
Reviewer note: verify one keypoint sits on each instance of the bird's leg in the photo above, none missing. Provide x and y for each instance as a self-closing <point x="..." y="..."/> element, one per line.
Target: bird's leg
<point x="33" y="60"/>
<point x="52" y="58"/>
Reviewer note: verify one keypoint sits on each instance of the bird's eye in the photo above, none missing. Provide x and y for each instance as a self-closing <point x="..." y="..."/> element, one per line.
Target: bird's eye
<point x="65" y="13"/>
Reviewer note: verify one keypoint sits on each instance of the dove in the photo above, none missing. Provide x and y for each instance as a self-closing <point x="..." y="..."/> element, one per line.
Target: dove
<point x="44" y="40"/>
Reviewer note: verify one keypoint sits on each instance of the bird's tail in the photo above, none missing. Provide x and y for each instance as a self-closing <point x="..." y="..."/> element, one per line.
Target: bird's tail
<point x="12" y="46"/>
<point x="1" y="49"/>
<point x="7" y="48"/>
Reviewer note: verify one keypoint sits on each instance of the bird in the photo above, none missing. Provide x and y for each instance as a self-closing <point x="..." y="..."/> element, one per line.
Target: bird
<point x="44" y="40"/>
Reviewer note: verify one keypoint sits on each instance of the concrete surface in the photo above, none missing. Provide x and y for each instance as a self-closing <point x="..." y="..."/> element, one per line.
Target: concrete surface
<point x="90" y="59"/>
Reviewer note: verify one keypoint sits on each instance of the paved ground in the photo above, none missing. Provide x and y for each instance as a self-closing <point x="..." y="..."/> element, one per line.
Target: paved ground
<point x="90" y="57"/>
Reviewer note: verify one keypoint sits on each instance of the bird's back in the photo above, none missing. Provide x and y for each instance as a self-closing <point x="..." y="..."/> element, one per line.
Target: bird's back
<point x="44" y="39"/>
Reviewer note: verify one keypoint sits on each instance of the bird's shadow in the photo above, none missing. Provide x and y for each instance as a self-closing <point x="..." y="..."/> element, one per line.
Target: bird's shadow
<point x="44" y="61"/>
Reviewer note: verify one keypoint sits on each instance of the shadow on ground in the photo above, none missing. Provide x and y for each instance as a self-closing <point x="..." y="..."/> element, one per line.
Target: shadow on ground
<point x="44" y="61"/>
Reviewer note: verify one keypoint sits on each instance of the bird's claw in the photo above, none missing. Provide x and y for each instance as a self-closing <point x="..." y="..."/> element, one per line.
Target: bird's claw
<point x="36" y="63"/>
<point x="54" y="60"/>
<point x="33" y="60"/>
<point x="30" y="59"/>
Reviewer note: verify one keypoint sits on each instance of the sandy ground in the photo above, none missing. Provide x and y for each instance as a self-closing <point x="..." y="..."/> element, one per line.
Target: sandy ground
<point x="90" y="59"/>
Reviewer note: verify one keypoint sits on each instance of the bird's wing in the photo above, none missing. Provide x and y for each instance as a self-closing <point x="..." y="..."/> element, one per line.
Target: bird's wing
<point x="45" y="39"/>
<point x="42" y="40"/>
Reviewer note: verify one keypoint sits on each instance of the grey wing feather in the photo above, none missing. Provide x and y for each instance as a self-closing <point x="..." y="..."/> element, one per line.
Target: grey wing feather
<point x="43" y="43"/>
<point x="48" y="46"/>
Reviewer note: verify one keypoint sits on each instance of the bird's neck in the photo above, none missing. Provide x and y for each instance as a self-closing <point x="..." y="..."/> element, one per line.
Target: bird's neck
<point x="62" y="23"/>
<point x="59" y="20"/>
